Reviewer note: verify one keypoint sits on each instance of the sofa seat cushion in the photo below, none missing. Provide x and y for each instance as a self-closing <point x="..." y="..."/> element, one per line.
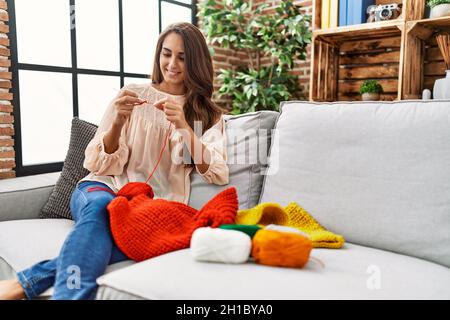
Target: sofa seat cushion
<point x="26" y="242"/>
<point x="350" y="273"/>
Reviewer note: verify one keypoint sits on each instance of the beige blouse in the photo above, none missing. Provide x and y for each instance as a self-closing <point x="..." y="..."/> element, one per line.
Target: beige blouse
<point x="140" y="146"/>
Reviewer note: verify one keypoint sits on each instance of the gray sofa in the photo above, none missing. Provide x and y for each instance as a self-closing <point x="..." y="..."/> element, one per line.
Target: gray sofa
<point x="376" y="172"/>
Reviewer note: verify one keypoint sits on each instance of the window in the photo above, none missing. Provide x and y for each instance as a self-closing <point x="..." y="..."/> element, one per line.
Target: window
<point x="71" y="59"/>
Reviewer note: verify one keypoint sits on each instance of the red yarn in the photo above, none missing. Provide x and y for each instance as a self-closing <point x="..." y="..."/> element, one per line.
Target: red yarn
<point x="149" y="176"/>
<point x="160" y="154"/>
<point x="144" y="228"/>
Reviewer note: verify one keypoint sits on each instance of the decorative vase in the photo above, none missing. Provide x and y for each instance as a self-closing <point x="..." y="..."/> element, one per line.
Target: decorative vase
<point x="370" y="96"/>
<point x="441" y="10"/>
<point x="441" y="88"/>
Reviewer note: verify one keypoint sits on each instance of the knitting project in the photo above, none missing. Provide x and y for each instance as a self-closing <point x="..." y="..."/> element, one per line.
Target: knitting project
<point x="143" y="227"/>
<point x="293" y="215"/>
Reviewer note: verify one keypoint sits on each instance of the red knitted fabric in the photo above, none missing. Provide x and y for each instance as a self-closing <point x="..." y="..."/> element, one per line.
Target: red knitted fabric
<point x="144" y="228"/>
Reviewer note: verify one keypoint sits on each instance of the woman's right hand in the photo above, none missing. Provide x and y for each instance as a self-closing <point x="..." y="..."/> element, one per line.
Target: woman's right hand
<point x="124" y="105"/>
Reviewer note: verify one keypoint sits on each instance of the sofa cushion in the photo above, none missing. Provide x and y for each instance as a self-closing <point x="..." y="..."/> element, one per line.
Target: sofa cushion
<point x="24" y="197"/>
<point x="355" y="272"/>
<point x="26" y="242"/>
<point x="57" y="205"/>
<point x="377" y="173"/>
<point x="248" y="141"/>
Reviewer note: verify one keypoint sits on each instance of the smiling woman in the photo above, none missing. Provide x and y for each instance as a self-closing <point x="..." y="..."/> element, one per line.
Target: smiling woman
<point x="144" y="129"/>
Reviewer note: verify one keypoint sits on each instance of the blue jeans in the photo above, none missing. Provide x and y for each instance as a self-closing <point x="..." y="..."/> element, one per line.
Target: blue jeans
<point x="85" y="254"/>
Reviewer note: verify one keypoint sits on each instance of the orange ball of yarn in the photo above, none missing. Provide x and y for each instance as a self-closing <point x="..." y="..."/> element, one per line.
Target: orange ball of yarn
<point x="282" y="249"/>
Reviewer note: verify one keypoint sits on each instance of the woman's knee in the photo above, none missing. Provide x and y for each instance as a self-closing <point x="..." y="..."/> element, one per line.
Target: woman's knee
<point x="96" y="204"/>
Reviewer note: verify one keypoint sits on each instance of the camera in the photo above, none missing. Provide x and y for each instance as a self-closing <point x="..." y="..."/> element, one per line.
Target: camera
<point x="383" y="12"/>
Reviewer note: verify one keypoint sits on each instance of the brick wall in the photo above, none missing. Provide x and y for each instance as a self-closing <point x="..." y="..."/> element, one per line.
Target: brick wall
<point x="7" y="154"/>
<point x="227" y="58"/>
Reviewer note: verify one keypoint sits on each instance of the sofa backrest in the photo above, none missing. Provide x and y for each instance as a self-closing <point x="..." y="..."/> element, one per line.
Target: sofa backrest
<point x="248" y="143"/>
<point x="376" y="172"/>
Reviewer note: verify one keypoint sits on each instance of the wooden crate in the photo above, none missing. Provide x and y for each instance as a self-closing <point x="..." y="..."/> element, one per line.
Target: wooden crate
<point x="401" y="54"/>
<point x="377" y="59"/>
<point x="323" y="86"/>
<point x="344" y="58"/>
<point x="426" y="63"/>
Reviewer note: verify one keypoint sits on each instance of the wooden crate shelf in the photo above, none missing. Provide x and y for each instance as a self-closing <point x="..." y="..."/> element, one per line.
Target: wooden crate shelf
<point x="359" y="31"/>
<point x="430" y="24"/>
<point x="401" y="54"/>
<point x="427" y="64"/>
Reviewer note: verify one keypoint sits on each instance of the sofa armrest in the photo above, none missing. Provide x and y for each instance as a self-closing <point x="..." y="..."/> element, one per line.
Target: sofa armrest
<point x="24" y="197"/>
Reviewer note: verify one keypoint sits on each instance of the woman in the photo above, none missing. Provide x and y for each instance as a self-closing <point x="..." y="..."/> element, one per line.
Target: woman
<point x="130" y="143"/>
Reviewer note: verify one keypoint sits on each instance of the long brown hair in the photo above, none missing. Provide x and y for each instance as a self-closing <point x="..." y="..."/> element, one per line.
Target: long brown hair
<point x="199" y="75"/>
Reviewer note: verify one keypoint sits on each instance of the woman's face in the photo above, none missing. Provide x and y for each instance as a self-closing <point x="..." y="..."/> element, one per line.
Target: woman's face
<point x="171" y="59"/>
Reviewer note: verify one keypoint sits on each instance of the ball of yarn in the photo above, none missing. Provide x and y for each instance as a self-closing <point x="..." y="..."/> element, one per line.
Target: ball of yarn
<point x="219" y="245"/>
<point x="247" y="229"/>
<point x="282" y="249"/>
<point x="277" y="227"/>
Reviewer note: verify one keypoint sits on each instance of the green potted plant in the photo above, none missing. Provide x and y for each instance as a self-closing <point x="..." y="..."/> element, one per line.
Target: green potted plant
<point x="370" y="90"/>
<point x="439" y="8"/>
<point x="280" y="38"/>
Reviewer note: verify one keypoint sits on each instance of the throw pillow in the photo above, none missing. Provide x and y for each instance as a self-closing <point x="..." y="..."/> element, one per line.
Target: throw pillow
<point x="57" y="205"/>
<point x="248" y="140"/>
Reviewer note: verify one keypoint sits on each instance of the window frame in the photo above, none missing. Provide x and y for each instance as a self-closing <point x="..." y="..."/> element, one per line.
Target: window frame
<point x="20" y="169"/>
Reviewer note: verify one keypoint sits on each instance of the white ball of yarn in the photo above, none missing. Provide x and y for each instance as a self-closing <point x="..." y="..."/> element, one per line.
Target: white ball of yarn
<point x="220" y="245"/>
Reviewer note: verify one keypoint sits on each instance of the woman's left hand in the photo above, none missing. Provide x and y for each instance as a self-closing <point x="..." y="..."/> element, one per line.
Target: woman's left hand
<point x="174" y="112"/>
